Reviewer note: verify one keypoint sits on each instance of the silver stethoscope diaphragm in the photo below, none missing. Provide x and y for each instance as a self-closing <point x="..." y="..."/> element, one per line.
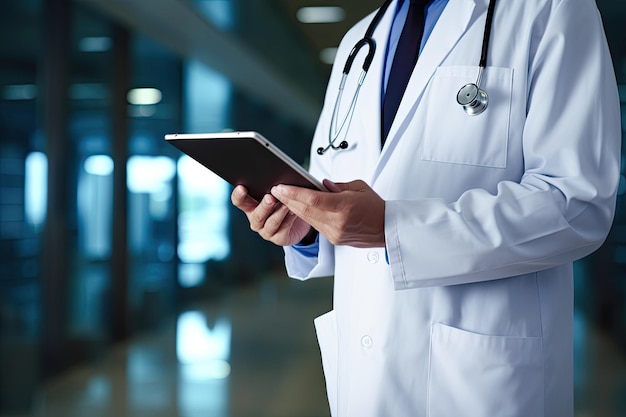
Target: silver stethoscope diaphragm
<point x="473" y="99"/>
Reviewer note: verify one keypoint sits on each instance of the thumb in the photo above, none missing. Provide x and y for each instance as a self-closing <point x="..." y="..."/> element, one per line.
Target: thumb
<point x="332" y="186"/>
<point x="336" y="187"/>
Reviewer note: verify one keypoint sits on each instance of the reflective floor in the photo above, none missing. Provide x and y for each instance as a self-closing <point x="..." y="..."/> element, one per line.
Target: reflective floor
<point x="252" y="352"/>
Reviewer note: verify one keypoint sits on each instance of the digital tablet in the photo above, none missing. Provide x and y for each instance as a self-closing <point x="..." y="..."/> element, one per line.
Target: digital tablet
<point x="245" y="158"/>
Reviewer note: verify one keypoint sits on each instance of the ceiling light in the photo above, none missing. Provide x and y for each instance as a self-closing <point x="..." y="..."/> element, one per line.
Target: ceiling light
<point x="330" y="14"/>
<point x="144" y="96"/>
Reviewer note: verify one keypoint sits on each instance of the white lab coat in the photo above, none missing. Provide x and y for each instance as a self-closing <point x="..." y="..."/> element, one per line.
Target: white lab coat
<point x="472" y="313"/>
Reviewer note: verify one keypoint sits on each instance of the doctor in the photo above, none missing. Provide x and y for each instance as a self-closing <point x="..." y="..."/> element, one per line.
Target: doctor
<point x="452" y="245"/>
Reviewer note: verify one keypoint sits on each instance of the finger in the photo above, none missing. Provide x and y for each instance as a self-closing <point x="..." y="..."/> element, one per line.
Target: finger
<point x="314" y="207"/>
<point x="356" y="185"/>
<point x="293" y="196"/>
<point x="240" y="199"/>
<point x="262" y="212"/>
<point x="281" y="219"/>
<point x="331" y="186"/>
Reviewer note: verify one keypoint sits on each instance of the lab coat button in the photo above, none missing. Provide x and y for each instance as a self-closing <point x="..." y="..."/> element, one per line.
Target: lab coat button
<point x="373" y="257"/>
<point x="367" y="342"/>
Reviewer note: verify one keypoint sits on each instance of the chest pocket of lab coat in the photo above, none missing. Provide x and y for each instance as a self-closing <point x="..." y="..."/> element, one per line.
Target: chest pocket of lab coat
<point x="451" y="135"/>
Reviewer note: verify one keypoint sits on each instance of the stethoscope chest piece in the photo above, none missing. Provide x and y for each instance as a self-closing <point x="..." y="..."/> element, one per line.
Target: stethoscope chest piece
<point x="473" y="99"/>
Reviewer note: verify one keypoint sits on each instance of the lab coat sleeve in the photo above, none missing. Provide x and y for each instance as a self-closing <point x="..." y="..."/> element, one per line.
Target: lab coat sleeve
<point x="562" y="207"/>
<point x="304" y="267"/>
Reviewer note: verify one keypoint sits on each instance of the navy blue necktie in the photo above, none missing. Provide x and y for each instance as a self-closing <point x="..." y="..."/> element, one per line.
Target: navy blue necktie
<point x="403" y="63"/>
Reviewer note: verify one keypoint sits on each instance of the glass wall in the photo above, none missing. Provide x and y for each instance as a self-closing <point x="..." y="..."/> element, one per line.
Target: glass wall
<point x="154" y="107"/>
<point x="23" y="204"/>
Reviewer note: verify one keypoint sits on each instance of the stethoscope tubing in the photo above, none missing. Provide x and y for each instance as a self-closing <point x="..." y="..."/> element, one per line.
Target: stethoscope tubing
<point x="367" y="40"/>
<point x="487" y="34"/>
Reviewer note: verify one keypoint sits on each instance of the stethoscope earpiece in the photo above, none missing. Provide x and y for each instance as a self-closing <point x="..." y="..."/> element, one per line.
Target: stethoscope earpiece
<point x="473" y="99"/>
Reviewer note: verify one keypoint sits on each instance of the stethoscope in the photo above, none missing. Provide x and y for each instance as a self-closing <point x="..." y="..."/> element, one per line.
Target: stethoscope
<point x="471" y="97"/>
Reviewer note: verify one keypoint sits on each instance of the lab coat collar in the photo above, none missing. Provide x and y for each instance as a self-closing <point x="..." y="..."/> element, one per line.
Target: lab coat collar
<point x="451" y="26"/>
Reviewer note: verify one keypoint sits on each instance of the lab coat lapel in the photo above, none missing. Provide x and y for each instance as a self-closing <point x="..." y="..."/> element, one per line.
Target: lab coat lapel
<point x="451" y="26"/>
<point x="371" y="91"/>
